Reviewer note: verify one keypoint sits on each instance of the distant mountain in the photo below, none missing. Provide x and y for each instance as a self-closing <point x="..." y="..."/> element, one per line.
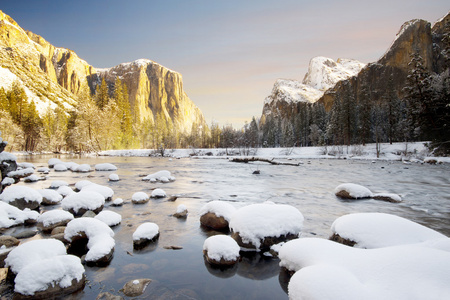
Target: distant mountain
<point x="55" y="77"/>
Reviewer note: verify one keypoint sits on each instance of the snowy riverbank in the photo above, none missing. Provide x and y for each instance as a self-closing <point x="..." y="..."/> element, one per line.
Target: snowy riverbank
<point x="417" y="152"/>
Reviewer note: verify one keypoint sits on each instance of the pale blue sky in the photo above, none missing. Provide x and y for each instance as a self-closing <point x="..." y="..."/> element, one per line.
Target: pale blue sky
<point x="229" y="52"/>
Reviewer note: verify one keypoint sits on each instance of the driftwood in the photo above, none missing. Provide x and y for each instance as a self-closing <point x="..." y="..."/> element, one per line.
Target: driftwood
<point x="270" y="161"/>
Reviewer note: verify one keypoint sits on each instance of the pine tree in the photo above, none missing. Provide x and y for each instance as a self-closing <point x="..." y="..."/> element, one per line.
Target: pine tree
<point x="102" y="94"/>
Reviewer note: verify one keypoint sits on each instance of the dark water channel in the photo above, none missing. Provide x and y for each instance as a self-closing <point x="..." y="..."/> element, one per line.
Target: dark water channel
<point x="183" y="274"/>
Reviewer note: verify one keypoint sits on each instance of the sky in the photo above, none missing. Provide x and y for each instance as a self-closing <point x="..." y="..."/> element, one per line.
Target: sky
<point x="229" y="52"/>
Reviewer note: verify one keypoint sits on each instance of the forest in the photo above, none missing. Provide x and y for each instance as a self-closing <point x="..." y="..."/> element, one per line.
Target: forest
<point x="106" y="120"/>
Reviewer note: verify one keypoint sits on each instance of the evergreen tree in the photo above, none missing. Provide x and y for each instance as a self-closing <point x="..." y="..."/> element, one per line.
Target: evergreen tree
<point x="102" y="94"/>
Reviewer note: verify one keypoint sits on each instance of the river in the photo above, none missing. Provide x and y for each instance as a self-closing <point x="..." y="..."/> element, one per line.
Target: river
<point x="183" y="274"/>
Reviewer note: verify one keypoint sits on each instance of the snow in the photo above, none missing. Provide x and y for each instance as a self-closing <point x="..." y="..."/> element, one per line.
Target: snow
<point x="54" y="216"/>
<point x="21" y="173"/>
<point x="181" y="208"/>
<point x="355" y="191"/>
<point x="105" y="167"/>
<point x="392" y="196"/>
<point x="39" y="275"/>
<point x="109" y="217"/>
<point x="221" y="247"/>
<point x="5" y="156"/>
<point x="82" y="183"/>
<point x="54" y="161"/>
<point x="29" y="252"/>
<point x="44" y="170"/>
<point x="61" y="167"/>
<point x="88" y="200"/>
<point x="8" y="181"/>
<point x="14" y="192"/>
<point x="32" y="178"/>
<point x="328" y="270"/>
<point x="146" y="231"/>
<point x="158" y="193"/>
<point x="257" y="221"/>
<point x="64" y="190"/>
<point x="140" y="197"/>
<point x="25" y="165"/>
<point x="58" y="183"/>
<point x="51" y="196"/>
<point x="117" y="202"/>
<point x="105" y="191"/>
<point x="219" y="208"/>
<point x="83" y="168"/>
<point x="376" y="230"/>
<point x="100" y="236"/>
<point x="293" y="91"/>
<point x="11" y="215"/>
<point x="113" y="177"/>
<point x="162" y="176"/>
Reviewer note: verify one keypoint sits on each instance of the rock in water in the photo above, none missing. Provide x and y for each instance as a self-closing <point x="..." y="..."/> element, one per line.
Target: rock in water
<point x="135" y="287"/>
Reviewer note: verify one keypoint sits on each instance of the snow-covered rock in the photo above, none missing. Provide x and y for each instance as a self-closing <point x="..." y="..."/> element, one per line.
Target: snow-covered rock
<point x="113" y="177"/>
<point x="328" y="270"/>
<point x="158" y="193"/>
<point x="53" y="161"/>
<point x="22" y="197"/>
<point x="144" y="234"/>
<point x="221" y="250"/>
<point x="376" y="230"/>
<point x="105" y="167"/>
<point x="100" y="238"/>
<point x="109" y="217"/>
<point x="82" y="183"/>
<point x="161" y="176"/>
<point x="60" y="167"/>
<point x="117" y="202"/>
<point x="135" y="287"/>
<point x="105" y="191"/>
<point x="33" y="178"/>
<point x="259" y="226"/>
<point x="83" y="168"/>
<point x="44" y="170"/>
<point x="389" y="197"/>
<point x="216" y="214"/>
<point x="140" y="198"/>
<point x="79" y="203"/>
<point x="12" y="216"/>
<point x="50" y="197"/>
<point x="25" y="165"/>
<point x="65" y="190"/>
<point x="53" y="218"/>
<point x="292" y="91"/>
<point x="181" y="211"/>
<point x="57" y="183"/>
<point x="352" y="191"/>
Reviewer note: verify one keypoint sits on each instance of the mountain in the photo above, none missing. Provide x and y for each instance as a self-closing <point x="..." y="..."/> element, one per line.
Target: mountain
<point x="55" y="77"/>
<point x="323" y="73"/>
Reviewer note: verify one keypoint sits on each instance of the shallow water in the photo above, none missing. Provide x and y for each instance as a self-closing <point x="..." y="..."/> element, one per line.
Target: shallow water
<point x="183" y="274"/>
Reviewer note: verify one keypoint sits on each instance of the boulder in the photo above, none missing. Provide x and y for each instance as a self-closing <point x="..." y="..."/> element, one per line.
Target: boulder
<point x="58" y="230"/>
<point x="8" y="241"/>
<point x="21" y="197"/>
<point x="135" y="287"/>
<point x="52" y="219"/>
<point x="140" y="198"/>
<point x="145" y="234"/>
<point x="211" y="220"/>
<point x="182" y="212"/>
<point x="221" y="250"/>
<point x="216" y="214"/>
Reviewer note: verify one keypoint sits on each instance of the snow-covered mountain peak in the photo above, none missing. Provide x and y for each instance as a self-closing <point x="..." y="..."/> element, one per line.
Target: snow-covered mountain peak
<point x="293" y="91"/>
<point x="323" y="73"/>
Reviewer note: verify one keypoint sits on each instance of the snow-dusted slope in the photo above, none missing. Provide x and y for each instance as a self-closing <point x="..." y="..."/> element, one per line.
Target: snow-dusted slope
<point x="292" y="91"/>
<point x="323" y="73"/>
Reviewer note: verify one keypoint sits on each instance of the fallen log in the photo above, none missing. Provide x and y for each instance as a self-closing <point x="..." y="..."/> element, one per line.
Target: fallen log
<point x="246" y="160"/>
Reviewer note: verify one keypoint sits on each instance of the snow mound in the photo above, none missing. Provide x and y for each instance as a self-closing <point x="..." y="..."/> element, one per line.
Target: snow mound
<point x="12" y="216"/>
<point x="82" y="183"/>
<point x="328" y="270"/>
<point x="219" y="208"/>
<point x="30" y="252"/>
<point x="20" y="173"/>
<point x="181" y="208"/>
<point x="140" y="197"/>
<point x="105" y="167"/>
<point x="54" y="216"/>
<point x="57" y="183"/>
<point x="161" y="176"/>
<point x="50" y="197"/>
<point x="44" y="170"/>
<point x="256" y="222"/>
<point x="146" y="231"/>
<point x="84" y="200"/>
<point x="100" y="236"/>
<point x="376" y="230"/>
<point x="25" y="165"/>
<point x="61" y="167"/>
<point x="117" y="202"/>
<point x="32" y="178"/>
<point x="65" y="191"/>
<point x="352" y="191"/>
<point x="83" y="168"/>
<point x="39" y="275"/>
<point x="113" y="177"/>
<point x="53" y="161"/>
<point x="158" y="193"/>
<point x="109" y="217"/>
<point x="15" y="192"/>
<point x="105" y="191"/>
<point x="221" y="247"/>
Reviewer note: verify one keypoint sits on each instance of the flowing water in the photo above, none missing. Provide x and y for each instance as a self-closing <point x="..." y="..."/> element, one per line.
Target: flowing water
<point x="183" y="274"/>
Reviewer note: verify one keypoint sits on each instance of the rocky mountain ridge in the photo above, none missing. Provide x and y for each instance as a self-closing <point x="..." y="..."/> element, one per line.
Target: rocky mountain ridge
<point x="55" y="77"/>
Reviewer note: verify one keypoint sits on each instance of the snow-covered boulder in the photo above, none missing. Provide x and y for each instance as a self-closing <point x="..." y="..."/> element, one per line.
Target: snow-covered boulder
<point x="221" y="250"/>
<point x="117" y="202"/>
<point x="43" y="170"/>
<point x="259" y="226"/>
<point x="33" y="178"/>
<point x="82" y="183"/>
<point x="7" y="182"/>
<point x="105" y="167"/>
<point x="376" y="230"/>
<point x="105" y="191"/>
<point x="79" y="203"/>
<point x="21" y="197"/>
<point x="100" y="239"/>
<point x="158" y="193"/>
<point x="61" y="167"/>
<point x="109" y="217"/>
<point x="22" y="173"/>
<point x="65" y="190"/>
<point x="352" y="191"/>
<point x="113" y="177"/>
<point x="83" y="168"/>
<point x="53" y="218"/>
<point x="72" y="166"/>
<point x="55" y="184"/>
<point x="53" y="161"/>
<point x="50" y="197"/>
<point x="140" y="198"/>
<point x="25" y="165"/>
<point x="328" y="270"/>
<point x="12" y="216"/>
<point x="181" y="211"/>
<point x="145" y="234"/>
<point x="64" y="274"/>
<point x="216" y="214"/>
<point x="163" y="176"/>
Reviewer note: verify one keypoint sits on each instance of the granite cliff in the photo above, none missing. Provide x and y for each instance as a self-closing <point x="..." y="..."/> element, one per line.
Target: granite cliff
<point x="55" y="77"/>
